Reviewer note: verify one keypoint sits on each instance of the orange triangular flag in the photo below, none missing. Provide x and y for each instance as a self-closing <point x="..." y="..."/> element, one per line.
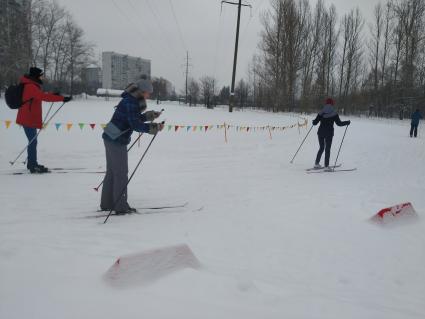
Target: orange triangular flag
<point x="68" y="126"/>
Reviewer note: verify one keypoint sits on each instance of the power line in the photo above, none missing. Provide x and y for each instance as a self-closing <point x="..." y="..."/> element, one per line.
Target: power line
<point x="250" y="18"/>
<point x="147" y="27"/>
<point x="178" y="25"/>
<point x="164" y="33"/>
<point x="130" y="21"/>
<point x="218" y="33"/>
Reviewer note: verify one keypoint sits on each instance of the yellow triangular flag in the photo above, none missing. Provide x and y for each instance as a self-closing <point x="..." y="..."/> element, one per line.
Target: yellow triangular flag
<point x="8" y="123"/>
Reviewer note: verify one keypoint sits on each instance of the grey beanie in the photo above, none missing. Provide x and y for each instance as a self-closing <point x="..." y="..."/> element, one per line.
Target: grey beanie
<point x="144" y="85"/>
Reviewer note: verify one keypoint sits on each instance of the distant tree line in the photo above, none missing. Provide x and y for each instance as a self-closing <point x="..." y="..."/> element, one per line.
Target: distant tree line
<point x="309" y="53"/>
<point x="42" y="33"/>
<point x="15" y="39"/>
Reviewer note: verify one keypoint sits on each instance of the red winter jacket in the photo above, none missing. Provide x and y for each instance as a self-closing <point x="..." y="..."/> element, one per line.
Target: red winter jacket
<point x="30" y="114"/>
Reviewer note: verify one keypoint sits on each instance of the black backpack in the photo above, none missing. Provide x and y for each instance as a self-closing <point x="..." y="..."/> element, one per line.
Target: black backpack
<point x="13" y="96"/>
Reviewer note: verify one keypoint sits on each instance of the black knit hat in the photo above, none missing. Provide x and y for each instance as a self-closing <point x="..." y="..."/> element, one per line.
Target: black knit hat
<point x="35" y="72"/>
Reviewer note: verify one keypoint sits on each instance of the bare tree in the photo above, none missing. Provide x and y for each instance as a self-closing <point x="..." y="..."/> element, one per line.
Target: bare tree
<point x="79" y="52"/>
<point x="208" y="90"/>
<point x="241" y="94"/>
<point x="15" y="40"/>
<point x="351" y="54"/>
<point x="376" y="30"/>
<point x="193" y="90"/>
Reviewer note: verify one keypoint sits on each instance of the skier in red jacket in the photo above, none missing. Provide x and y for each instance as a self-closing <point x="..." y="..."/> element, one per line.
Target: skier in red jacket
<point x="30" y="113"/>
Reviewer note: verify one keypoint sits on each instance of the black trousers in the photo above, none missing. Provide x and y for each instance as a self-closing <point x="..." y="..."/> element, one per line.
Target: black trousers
<point x="413" y="130"/>
<point x="325" y="143"/>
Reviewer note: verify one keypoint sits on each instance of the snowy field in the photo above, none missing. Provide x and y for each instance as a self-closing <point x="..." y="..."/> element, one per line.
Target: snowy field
<point x="272" y="241"/>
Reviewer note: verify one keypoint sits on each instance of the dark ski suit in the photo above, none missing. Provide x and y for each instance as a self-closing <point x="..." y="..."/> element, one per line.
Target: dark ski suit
<point x="327" y="117"/>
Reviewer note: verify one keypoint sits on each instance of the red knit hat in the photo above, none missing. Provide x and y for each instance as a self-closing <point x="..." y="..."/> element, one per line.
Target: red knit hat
<point x="330" y="101"/>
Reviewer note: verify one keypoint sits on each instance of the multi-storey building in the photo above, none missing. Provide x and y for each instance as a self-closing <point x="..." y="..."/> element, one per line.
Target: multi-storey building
<point x="118" y="70"/>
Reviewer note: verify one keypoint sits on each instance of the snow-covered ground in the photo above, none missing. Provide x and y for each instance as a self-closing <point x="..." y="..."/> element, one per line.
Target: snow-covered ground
<point x="273" y="241"/>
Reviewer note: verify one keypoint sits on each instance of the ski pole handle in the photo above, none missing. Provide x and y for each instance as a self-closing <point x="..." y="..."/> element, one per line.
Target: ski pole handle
<point x="140" y="135"/>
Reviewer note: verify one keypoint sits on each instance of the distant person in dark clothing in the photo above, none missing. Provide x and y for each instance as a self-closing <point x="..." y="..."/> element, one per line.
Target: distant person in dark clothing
<point x="416" y="117"/>
<point x="327" y="117"/>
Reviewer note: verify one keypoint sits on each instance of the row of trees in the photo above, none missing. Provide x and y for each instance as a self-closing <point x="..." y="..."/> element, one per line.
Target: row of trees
<point x="308" y="53"/>
<point x="15" y="40"/>
<point x="42" y="33"/>
<point x="58" y="45"/>
<point x="206" y="92"/>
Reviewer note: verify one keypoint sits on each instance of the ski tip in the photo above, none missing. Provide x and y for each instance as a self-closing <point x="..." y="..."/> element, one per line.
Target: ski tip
<point x="11" y="163"/>
<point x="96" y="189"/>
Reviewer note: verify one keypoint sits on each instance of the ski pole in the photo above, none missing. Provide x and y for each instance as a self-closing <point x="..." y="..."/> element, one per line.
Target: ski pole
<point x="132" y="174"/>
<point x="134" y="143"/>
<point x="341" y="145"/>
<point x="292" y="161"/>
<point x="35" y="137"/>
<point x="131" y="146"/>
<point x="44" y="122"/>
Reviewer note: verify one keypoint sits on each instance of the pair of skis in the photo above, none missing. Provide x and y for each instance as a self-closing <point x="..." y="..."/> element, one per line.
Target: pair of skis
<point x="330" y="169"/>
<point x="59" y="170"/>
<point x="148" y="210"/>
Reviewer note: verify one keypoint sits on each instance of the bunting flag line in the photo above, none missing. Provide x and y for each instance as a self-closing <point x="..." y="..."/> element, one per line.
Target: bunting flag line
<point x="190" y="128"/>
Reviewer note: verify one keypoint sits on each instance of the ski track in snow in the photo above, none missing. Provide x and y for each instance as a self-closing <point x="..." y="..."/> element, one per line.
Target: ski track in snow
<point x="273" y="241"/>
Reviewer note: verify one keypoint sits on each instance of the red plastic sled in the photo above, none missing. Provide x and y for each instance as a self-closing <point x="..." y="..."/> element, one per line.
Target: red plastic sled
<point x="395" y="212"/>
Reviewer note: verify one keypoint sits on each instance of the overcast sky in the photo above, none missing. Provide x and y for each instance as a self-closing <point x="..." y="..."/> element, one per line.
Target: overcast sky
<point x="148" y="29"/>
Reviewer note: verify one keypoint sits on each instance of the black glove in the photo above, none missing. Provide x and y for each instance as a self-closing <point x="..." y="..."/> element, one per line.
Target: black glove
<point x="151" y="115"/>
<point x="67" y="99"/>
<point x="57" y="93"/>
<point x="154" y="128"/>
<point x="348" y="122"/>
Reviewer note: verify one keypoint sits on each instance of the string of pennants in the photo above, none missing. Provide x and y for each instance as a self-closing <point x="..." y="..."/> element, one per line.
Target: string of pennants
<point x="175" y="128"/>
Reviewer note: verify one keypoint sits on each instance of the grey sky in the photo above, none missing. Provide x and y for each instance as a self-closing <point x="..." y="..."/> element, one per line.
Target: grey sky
<point x="147" y="28"/>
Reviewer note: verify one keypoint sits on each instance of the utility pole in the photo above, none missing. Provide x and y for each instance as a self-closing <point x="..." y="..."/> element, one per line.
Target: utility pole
<point x="186" y="65"/>
<point x="187" y="72"/>
<point x="235" y="58"/>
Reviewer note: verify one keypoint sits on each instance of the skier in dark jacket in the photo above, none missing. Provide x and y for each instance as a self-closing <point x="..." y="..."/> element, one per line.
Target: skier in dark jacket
<point x="327" y="117"/>
<point x="128" y="117"/>
<point x="416" y="117"/>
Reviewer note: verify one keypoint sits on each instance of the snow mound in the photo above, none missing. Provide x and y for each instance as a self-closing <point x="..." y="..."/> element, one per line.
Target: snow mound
<point x="149" y="266"/>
